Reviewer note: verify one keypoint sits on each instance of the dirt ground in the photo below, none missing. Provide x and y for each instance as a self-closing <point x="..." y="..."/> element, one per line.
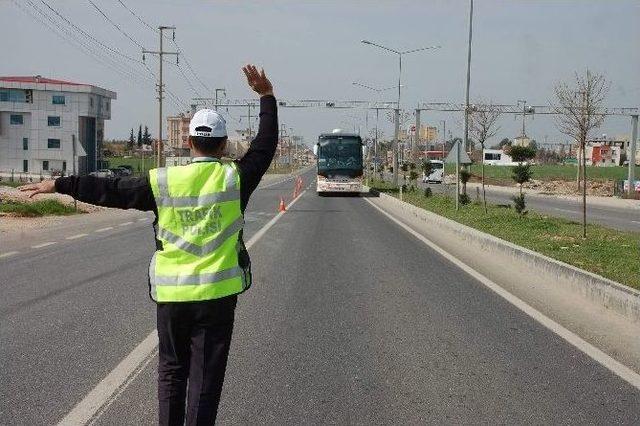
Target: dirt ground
<point x="560" y="187"/>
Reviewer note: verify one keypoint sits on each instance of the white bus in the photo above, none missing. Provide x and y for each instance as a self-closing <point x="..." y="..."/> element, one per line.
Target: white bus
<point x="339" y="157"/>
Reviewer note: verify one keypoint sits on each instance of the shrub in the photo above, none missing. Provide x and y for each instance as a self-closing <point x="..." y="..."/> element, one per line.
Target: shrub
<point x="519" y="204"/>
<point x="427" y="192"/>
<point x="464" y="199"/>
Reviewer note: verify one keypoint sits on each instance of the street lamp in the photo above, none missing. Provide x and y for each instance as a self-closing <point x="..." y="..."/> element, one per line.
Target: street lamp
<point x="375" y="141"/>
<point x="397" y="110"/>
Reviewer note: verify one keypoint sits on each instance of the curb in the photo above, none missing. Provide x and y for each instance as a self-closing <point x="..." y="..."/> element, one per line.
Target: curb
<point x="603" y="291"/>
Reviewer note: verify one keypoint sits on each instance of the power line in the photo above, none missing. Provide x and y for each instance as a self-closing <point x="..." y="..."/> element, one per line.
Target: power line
<point x="79" y="43"/>
<point x="178" y="49"/>
<point x="116" y="25"/>
<point x="85" y="33"/>
<point x="137" y="17"/>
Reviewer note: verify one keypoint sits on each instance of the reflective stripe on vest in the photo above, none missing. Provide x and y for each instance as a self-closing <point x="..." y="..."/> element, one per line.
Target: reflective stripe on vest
<point x="199" y="223"/>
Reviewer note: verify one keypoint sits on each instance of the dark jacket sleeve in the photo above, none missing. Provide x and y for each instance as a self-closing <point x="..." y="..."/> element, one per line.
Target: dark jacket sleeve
<point x="122" y="193"/>
<point x="256" y="161"/>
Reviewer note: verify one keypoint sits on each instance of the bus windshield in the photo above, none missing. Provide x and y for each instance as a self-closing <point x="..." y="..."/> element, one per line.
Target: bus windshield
<point x="340" y="154"/>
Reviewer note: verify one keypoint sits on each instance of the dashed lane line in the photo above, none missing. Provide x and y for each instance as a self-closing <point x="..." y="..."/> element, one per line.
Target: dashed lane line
<point x="126" y="223"/>
<point x="74" y="237"/>
<point x="108" y="228"/>
<point x="143" y="219"/>
<point x="9" y="253"/>
<point x="48" y="243"/>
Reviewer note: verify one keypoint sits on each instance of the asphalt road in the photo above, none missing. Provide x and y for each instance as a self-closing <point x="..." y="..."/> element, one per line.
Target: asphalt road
<point x="626" y="219"/>
<point x="350" y="321"/>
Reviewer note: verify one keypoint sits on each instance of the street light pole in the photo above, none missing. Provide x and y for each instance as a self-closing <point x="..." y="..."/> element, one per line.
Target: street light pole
<point x="375" y="142"/>
<point x="466" y="106"/>
<point x="397" y="109"/>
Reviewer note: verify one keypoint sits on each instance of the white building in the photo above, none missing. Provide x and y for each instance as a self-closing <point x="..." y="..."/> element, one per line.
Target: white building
<point x="497" y="157"/>
<point x="39" y="117"/>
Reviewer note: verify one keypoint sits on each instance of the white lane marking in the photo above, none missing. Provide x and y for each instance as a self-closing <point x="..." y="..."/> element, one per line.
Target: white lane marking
<point x="143" y="219"/>
<point x="9" y="253"/>
<point x="104" y="229"/>
<point x="587" y="348"/>
<point x="73" y="237"/>
<point x="48" y="243"/>
<point x="272" y="222"/>
<point x="86" y="410"/>
<point x="95" y="402"/>
<point x="125" y="223"/>
<point x="635" y="221"/>
<point x="566" y="210"/>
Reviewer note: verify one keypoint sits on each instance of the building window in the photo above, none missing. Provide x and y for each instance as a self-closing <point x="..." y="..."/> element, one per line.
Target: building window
<point x="16" y="119"/>
<point x="91" y="102"/>
<point x="64" y="166"/>
<point x="58" y="100"/>
<point x="53" y="143"/>
<point x="53" y="121"/>
<point x="25" y="144"/>
<point x="25" y="166"/>
<point x="45" y="165"/>
<point x="13" y="95"/>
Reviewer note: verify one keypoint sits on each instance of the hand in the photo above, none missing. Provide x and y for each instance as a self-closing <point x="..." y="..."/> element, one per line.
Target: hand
<point x="44" y="187"/>
<point x="258" y="80"/>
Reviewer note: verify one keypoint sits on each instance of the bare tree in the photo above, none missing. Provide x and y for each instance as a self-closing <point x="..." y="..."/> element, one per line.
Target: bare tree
<point x="483" y="126"/>
<point x="580" y="110"/>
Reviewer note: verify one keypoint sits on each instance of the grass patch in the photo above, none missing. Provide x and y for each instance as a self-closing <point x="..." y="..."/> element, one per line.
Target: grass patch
<point x="549" y="172"/>
<point x="36" y="209"/>
<point x="607" y="252"/>
<point x="138" y="164"/>
<point x="13" y="184"/>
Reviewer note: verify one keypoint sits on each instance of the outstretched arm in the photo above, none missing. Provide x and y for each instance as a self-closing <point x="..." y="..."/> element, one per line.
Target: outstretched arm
<point x="256" y="161"/>
<point x="122" y="193"/>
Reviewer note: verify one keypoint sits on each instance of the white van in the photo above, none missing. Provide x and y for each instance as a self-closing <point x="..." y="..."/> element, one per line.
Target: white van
<point x="437" y="171"/>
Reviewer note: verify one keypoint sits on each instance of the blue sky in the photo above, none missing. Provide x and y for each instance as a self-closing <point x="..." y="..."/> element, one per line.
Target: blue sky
<point x="313" y="50"/>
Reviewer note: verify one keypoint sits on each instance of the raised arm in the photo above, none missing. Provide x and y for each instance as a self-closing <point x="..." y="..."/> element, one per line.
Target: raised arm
<point x="256" y="161"/>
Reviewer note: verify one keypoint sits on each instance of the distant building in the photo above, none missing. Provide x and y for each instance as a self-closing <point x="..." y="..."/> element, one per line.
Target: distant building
<point x="178" y="130"/>
<point x="39" y="118"/>
<point x="521" y="141"/>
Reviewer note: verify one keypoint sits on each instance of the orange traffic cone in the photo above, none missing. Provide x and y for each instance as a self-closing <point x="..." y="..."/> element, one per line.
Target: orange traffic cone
<point x="282" y="207"/>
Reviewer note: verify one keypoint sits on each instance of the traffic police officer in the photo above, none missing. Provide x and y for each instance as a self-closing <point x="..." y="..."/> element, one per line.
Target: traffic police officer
<point x="200" y="264"/>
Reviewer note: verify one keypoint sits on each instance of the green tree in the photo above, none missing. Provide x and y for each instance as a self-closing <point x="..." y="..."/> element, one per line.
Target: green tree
<point x="521" y="173"/>
<point x="502" y="144"/>
<point x="146" y="136"/>
<point x="140" y="136"/>
<point x="132" y="141"/>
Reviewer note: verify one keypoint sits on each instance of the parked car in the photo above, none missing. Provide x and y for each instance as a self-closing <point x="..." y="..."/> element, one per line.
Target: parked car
<point x="103" y="173"/>
<point x="437" y="169"/>
<point x="121" y="171"/>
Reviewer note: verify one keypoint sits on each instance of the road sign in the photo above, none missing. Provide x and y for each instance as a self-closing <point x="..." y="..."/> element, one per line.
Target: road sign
<point x="462" y="155"/>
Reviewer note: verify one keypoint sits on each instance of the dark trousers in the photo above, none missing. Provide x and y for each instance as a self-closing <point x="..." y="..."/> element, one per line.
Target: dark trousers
<point x="194" y="340"/>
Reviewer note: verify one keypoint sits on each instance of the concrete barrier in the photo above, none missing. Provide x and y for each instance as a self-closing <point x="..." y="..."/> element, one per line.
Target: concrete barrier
<point x="449" y="234"/>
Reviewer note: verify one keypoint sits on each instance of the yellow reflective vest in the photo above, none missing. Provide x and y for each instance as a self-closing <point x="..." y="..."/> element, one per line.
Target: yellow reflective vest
<point x="200" y="226"/>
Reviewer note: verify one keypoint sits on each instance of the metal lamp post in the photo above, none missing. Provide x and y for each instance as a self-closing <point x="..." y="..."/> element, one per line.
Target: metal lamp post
<point x="375" y="141"/>
<point x="397" y="110"/>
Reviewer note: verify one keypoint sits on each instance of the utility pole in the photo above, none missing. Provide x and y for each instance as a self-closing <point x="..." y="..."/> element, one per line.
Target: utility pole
<point x="466" y="106"/>
<point x="416" y="139"/>
<point x="75" y="159"/>
<point x="215" y="105"/>
<point x="160" y="54"/>
<point x="444" y="141"/>
<point x="631" y="156"/>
